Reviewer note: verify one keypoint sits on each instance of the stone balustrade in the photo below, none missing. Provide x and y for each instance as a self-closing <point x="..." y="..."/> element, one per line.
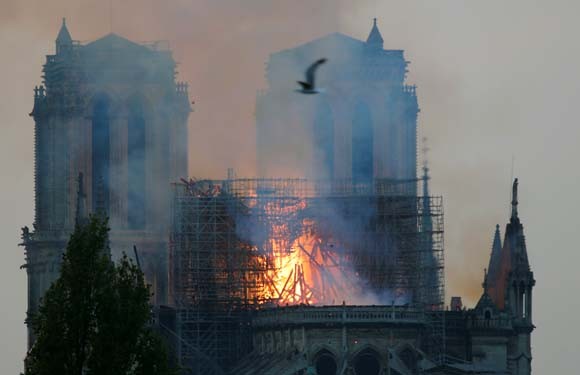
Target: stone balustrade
<point x="304" y="315"/>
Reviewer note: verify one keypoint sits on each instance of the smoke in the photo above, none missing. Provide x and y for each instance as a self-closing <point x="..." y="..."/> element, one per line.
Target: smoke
<point x="325" y="249"/>
<point x="221" y="48"/>
<point x="486" y="93"/>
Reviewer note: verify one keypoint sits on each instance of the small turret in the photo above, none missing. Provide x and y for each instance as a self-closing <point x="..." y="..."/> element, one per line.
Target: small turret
<point x="375" y="39"/>
<point x="64" y="41"/>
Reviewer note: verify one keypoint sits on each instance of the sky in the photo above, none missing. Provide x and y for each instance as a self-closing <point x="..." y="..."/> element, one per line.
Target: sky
<point x="498" y="87"/>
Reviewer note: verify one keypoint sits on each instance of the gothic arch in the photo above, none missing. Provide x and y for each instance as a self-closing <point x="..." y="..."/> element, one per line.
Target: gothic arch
<point x="326" y="362"/>
<point x="487" y="313"/>
<point x="101" y="112"/>
<point x="522" y="299"/>
<point x="362" y="144"/>
<point x="174" y="142"/>
<point x="323" y="348"/>
<point x="368" y="361"/>
<point x="137" y="116"/>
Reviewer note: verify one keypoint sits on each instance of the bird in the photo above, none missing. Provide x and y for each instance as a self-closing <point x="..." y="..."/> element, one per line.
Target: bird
<point x="309" y="86"/>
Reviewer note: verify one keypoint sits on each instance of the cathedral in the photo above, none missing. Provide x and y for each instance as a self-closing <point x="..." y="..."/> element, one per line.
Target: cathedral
<point x="110" y="125"/>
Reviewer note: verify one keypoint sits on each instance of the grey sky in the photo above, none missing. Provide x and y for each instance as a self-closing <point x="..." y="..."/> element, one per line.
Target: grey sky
<point x="496" y="80"/>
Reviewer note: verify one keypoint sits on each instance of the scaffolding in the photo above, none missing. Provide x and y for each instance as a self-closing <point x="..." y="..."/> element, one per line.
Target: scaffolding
<point x="243" y="244"/>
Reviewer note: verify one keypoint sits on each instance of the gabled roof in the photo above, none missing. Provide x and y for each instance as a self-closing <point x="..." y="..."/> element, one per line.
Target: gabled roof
<point x="115" y="42"/>
<point x="344" y="53"/>
<point x="328" y="41"/>
<point x="485" y="302"/>
<point x="332" y="44"/>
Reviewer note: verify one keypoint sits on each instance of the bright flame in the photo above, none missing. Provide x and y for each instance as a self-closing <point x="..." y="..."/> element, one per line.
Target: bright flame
<point x="305" y="269"/>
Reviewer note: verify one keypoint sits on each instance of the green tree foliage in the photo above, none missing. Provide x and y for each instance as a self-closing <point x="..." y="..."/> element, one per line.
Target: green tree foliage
<point x="94" y="318"/>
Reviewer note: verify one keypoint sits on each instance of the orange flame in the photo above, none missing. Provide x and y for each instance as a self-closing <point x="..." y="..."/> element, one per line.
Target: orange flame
<point x="304" y="270"/>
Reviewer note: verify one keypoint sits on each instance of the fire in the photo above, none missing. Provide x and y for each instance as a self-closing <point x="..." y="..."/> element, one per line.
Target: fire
<point x="305" y="266"/>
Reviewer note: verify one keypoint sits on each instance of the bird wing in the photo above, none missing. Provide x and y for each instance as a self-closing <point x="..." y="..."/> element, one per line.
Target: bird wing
<point x="305" y="85"/>
<point x="311" y="69"/>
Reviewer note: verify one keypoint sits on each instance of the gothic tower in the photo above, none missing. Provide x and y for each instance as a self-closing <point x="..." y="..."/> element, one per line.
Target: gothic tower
<point x="111" y="110"/>
<point x="362" y="126"/>
<point x="509" y="284"/>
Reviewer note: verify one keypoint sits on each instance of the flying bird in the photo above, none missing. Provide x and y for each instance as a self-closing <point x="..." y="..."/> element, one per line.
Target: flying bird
<point x="309" y="86"/>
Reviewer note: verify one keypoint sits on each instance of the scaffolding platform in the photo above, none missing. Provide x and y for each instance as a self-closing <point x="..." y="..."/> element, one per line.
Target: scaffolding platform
<point x="240" y="245"/>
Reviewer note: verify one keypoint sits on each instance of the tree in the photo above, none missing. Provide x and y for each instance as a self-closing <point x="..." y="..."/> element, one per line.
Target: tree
<point x="94" y="319"/>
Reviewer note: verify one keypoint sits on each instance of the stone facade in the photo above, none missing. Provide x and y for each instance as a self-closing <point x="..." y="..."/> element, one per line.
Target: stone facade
<point x="363" y="125"/>
<point x="111" y="111"/>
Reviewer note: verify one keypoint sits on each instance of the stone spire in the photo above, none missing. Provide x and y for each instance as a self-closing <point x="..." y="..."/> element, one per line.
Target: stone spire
<point x="63" y="40"/>
<point x="495" y="257"/>
<point x="493" y="269"/>
<point x="514" y="237"/>
<point x="513" y="269"/>
<point x="496" y="247"/>
<point x="375" y="39"/>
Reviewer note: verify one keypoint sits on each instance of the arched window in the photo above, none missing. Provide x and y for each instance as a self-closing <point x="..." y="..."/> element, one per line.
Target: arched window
<point x="136" y="166"/>
<point x="325" y="363"/>
<point x="324" y="141"/>
<point x="367" y="363"/>
<point x="523" y="297"/>
<point x="101" y="154"/>
<point x="362" y="145"/>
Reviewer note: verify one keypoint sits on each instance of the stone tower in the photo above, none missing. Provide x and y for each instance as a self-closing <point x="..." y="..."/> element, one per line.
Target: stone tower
<point x="362" y="126"/>
<point x="509" y="284"/>
<point x="111" y="110"/>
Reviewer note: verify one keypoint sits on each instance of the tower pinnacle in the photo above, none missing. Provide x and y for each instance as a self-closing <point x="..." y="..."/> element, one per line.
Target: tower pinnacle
<point x="496" y="248"/>
<point x="63" y="40"/>
<point x="375" y="39"/>
<point x="515" y="199"/>
<point x="484" y="284"/>
<point x="63" y="34"/>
